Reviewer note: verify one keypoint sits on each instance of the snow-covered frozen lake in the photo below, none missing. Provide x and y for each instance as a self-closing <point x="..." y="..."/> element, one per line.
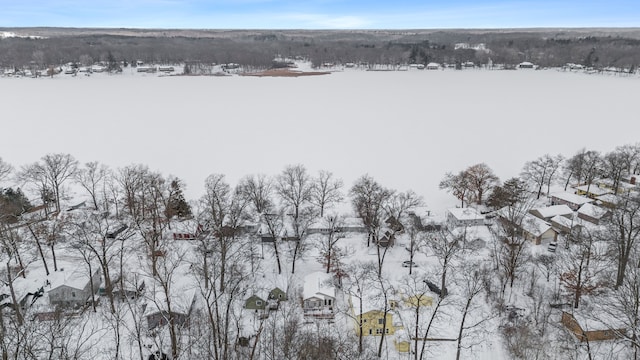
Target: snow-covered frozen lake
<point x="404" y="128"/>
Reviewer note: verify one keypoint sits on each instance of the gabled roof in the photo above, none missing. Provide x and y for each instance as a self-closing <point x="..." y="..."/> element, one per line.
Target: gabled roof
<point x="593" y="189"/>
<point x="566" y="222"/>
<point x="534" y="225"/>
<point x="593" y="211"/>
<point x="318" y="284"/>
<point x="553" y="210"/>
<point x="70" y="275"/>
<point x="572" y="198"/>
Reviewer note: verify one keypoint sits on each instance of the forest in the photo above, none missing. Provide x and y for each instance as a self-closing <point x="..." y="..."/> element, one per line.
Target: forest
<point x="593" y="48"/>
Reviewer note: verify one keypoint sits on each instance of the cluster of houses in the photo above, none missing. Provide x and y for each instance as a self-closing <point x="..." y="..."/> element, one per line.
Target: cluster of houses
<point x="568" y="214"/>
<point x="73" y="286"/>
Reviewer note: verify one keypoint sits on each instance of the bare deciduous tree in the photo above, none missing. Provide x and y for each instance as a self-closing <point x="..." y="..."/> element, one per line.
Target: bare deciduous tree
<point x="92" y="177"/>
<point x="368" y="199"/>
<point x="326" y="190"/>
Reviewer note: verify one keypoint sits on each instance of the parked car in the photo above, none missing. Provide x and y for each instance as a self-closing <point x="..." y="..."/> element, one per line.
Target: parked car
<point x="409" y="264"/>
<point x="434" y="288"/>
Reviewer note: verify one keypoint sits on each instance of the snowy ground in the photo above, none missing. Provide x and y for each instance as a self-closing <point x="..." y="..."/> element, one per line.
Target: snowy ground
<point x="404" y="128"/>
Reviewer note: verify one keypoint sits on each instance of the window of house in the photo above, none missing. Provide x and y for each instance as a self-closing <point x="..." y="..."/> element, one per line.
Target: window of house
<point x="258" y="303"/>
<point x="73" y="294"/>
<point x="378" y="331"/>
<point x="387" y="330"/>
<point x="380" y="321"/>
<point x="364" y="321"/>
<point x="370" y="332"/>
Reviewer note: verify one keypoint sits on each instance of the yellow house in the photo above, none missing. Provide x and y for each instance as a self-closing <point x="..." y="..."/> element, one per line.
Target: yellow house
<point x="373" y="323"/>
<point x="421" y="300"/>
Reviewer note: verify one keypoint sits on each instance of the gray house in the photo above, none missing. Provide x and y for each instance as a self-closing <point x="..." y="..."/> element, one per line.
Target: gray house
<point x="72" y="287"/>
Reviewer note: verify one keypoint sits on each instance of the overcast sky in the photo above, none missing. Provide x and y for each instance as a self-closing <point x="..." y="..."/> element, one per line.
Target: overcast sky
<point x="319" y="14"/>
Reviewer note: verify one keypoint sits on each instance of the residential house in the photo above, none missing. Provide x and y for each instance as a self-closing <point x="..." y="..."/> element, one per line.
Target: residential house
<point x="526" y="65"/>
<point x="593" y="214"/>
<point x="586" y="330"/>
<point x="433" y="66"/>
<point x="538" y="230"/>
<point x="608" y="200"/>
<point x="374" y="323"/>
<point x="464" y="217"/>
<point x="591" y="191"/>
<point x="277" y="294"/>
<point x="572" y="200"/>
<point x="387" y="238"/>
<point x="415" y="301"/>
<point x="275" y="297"/>
<point x="624" y="187"/>
<point x="546" y="213"/>
<point x="394" y="224"/>
<point x="318" y="295"/>
<point x="71" y="286"/>
<point x="564" y="225"/>
<point x="182" y="300"/>
<point x="255" y="303"/>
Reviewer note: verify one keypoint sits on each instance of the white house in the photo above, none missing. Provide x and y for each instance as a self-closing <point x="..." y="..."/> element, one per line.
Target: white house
<point x="571" y="200"/>
<point x="547" y="213"/>
<point x="433" y="66"/>
<point x="319" y="295"/>
<point x="464" y="217"/>
<point x="592" y="213"/>
<point x="538" y="230"/>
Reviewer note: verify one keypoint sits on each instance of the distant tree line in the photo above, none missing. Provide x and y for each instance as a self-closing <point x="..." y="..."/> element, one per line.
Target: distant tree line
<point x="258" y="48"/>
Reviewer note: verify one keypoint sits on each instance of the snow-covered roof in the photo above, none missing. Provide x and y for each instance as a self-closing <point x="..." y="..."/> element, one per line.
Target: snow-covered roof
<point x="534" y="225"/>
<point x="608" y="198"/>
<point x="465" y="214"/>
<point x="352" y="222"/>
<point x="421" y="211"/>
<point x="593" y="189"/>
<point x="593" y="211"/>
<point x="566" y="222"/>
<point x="553" y="210"/>
<point x="71" y="275"/>
<point x="183" y="290"/>
<point x="318" y="284"/>
<point x="572" y="198"/>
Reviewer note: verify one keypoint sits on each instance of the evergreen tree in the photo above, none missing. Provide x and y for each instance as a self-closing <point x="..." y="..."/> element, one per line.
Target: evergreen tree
<point x="13" y="203"/>
<point x="177" y="204"/>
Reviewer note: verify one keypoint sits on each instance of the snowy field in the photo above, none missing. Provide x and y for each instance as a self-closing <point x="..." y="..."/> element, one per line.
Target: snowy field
<point x="404" y="128"/>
